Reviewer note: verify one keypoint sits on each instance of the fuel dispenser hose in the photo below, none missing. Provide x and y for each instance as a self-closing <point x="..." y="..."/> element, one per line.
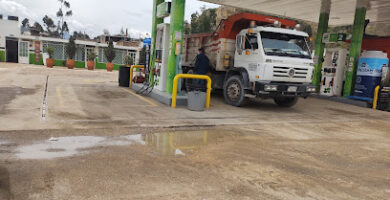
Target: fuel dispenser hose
<point x="145" y="90"/>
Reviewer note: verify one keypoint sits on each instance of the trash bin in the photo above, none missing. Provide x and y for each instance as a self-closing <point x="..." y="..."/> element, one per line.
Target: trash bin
<point x="196" y="97"/>
<point x="124" y="76"/>
<point x="196" y="100"/>
<point x="384" y="99"/>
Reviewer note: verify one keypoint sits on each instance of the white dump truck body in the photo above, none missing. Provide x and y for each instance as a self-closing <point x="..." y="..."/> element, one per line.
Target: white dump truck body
<point x="272" y="59"/>
<point x="255" y="61"/>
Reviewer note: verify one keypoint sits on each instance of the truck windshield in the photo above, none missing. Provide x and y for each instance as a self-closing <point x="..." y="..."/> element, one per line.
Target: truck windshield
<point x="281" y="44"/>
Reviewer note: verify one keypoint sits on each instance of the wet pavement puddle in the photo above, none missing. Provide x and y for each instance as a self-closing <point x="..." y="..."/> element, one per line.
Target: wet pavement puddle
<point x="172" y="143"/>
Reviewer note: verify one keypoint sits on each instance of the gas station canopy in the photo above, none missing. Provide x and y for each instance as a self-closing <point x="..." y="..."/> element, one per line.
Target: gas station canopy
<point x="342" y="11"/>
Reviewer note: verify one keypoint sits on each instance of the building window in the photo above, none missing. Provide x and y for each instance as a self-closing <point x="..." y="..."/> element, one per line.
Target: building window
<point x="59" y="50"/>
<point x="101" y="56"/>
<point x="251" y="42"/>
<point x="23" y="49"/>
<point x="132" y="55"/>
<point x="118" y="57"/>
<point x="80" y="53"/>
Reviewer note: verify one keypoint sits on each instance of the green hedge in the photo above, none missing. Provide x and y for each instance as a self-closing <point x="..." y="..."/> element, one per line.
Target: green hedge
<point x="32" y="59"/>
<point x="100" y="65"/>
<point x="60" y="63"/>
<point x="79" y="64"/>
<point x="103" y="66"/>
<point x="2" y="56"/>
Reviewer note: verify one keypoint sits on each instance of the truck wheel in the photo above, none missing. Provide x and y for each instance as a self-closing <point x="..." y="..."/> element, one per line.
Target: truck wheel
<point x="286" y="101"/>
<point x="234" y="92"/>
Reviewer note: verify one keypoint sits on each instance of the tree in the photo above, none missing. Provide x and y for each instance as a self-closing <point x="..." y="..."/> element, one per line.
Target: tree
<point x="142" y="56"/>
<point x="71" y="48"/>
<point x="62" y="25"/>
<point x="80" y="35"/>
<point x="25" y="23"/>
<point x="65" y="27"/>
<point x="38" y="27"/>
<point x="194" y="22"/>
<point x="129" y="60"/>
<point x="204" y="22"/>
<point x="49" y="24"/>
<point x="187" y="27"/>
<point x="109" y="52"/>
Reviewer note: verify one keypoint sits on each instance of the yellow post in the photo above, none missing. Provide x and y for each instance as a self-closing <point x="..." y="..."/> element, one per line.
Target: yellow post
<point x="131" y="72"/>
<point x="375" y="100"/>
<point x="191" y="76"/>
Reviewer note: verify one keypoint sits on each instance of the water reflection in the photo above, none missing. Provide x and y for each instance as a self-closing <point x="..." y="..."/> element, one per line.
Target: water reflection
<point x="174" y="143"/>
<point x="177" y="143"/>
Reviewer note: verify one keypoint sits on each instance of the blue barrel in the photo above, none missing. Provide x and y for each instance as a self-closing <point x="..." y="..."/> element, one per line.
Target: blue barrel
<point x="369" y="73"/>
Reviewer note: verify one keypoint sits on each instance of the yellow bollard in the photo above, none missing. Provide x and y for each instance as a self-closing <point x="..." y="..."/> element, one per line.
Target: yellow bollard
<point x="131" y="72"/>
<point x="375" y="100"/>
<point x="191" y="76"/>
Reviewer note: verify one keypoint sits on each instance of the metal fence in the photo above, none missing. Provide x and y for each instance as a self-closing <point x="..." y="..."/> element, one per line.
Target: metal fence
<point x="60" y="53"/>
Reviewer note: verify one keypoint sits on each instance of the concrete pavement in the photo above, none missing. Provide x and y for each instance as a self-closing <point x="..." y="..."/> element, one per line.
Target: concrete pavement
<point x="99" y="141"/>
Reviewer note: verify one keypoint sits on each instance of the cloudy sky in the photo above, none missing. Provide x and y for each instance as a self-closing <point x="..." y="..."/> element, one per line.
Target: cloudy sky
<point x="92" y="16"/>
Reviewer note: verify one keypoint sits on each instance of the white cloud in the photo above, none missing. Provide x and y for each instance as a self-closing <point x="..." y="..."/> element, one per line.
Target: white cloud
<point x="93" y="16"/>
<point x="8" y="7"/>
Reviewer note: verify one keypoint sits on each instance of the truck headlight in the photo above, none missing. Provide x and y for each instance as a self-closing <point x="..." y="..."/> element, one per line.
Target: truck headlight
<point x="311" y="89"/>
<point x="270" y="88"/>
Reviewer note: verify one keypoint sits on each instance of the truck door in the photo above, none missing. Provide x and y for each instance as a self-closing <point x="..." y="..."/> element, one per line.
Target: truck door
<point x="247" y="54"/>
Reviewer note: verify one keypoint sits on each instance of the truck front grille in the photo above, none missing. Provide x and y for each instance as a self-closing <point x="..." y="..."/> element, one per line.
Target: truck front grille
<point x="289" y="72"/>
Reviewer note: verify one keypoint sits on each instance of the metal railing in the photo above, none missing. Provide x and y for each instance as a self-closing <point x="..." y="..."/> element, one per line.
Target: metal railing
<point x="375" y="100"/>
<point x="191" y="76"/>
<point x="131" y="72"/>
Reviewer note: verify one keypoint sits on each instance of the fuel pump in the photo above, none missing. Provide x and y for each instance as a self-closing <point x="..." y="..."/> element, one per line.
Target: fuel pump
<point x="333" y="72"/>
<point x="161" y="59"/>
<point x="147" y="63"/>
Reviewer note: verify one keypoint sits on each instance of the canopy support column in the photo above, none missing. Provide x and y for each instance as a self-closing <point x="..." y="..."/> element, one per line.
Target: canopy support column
<point x="356" y="45"/>
<point x="155" y="22"/>
<point x="176" y="41"/>
<point x="319" y="45"/>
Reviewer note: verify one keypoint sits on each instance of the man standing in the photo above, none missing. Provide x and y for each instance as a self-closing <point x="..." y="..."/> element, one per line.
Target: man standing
<point x="201" y="62"/>
<point x="202" y="65"/>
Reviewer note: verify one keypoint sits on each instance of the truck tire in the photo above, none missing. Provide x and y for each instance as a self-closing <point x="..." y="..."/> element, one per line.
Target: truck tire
<point x="234" y="91"/>
<point x="286" y="101"/>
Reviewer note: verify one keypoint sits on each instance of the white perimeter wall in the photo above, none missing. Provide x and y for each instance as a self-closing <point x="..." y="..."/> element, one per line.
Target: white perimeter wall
<point x="8" y="28"/>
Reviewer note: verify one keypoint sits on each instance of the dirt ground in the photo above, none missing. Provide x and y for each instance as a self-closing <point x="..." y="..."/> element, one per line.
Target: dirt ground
<point x="99" y="141"/>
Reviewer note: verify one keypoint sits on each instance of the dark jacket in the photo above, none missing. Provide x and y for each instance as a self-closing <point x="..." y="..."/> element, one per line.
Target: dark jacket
<point x="202" y="65"/>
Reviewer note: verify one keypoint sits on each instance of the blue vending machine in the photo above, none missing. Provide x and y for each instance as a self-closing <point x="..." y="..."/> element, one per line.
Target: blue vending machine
<point x="369" y="73"/>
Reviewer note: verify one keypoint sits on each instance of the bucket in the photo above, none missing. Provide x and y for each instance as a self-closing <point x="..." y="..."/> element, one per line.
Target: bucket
<point x="196" y="100"/>
<point x="369" y="73"/>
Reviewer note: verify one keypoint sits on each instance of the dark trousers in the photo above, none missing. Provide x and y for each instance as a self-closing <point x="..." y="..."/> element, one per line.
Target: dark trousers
<point x="199" y="84"/>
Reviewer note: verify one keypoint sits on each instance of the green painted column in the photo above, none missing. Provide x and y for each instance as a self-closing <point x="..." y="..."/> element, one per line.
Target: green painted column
<point x="155" y="22"/>
<point x="319" y="45"/>
<point x="356" y="45"/>
<point x="176" y="36"/>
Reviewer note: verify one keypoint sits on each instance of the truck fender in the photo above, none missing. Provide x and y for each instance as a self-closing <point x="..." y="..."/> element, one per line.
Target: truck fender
<point x="241" y="72"/>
